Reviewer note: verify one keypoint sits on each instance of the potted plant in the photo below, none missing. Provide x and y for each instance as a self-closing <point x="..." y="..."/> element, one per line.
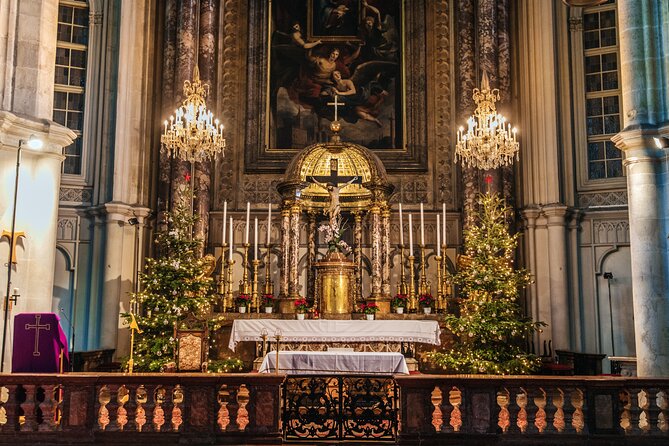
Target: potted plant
<point x="243" y="301"/>
<point x="369" y="309"/>
<point x="425" y="301"/>
<point x="268" y="301"/>
<point x="399" y="303"/>
<point x="301" y="307"/>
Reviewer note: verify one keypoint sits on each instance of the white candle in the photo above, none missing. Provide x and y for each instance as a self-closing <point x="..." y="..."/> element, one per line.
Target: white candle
<point x="255" y="240"/>
<point x="248" y="218"/>
<point x="401" y="227"/>
<point x="225" y="219"/>
<point x="443" y="222"/>
<point x="438" y="237"/>
<point x="230" y="240"/>
<point x="422" y="227"/>
<point x="410" y="237"/>
<point x="269" y="223"/>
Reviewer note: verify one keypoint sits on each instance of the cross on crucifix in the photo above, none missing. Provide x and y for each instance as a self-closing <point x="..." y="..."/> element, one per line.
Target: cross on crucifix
<point x="37" y="327"/>
<point x="336" y="104"/>
<point x="17" y="234"/>
<point x="332" y="184"/>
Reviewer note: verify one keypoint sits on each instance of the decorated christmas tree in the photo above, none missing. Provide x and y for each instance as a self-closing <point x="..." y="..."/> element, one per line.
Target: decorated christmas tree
<point x="175" y="285"/>
<point x="492" y="331"/>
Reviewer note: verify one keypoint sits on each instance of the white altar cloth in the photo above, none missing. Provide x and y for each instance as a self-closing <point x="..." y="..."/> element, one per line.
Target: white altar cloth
<point x="313" y="363"/>
<point x="331" y="330"/>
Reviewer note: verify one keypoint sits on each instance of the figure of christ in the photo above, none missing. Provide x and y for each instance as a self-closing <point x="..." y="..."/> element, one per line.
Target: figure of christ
<point x="333" y="189"/>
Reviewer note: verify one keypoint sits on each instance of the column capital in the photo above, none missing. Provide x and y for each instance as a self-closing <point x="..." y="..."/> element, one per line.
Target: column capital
<point x="530" y="215"/>
<point x="556" y="214"/>
<point x="638" y="143"/>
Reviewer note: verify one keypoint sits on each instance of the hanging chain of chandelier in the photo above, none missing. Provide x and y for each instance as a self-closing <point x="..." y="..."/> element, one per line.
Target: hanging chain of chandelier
<point x="192" y="133"/>
<point x="489" y="142"/>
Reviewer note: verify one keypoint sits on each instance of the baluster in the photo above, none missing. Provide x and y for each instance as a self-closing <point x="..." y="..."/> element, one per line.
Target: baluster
<point x="455" y="399"/>
<point x="577" y="418"/>
<point x="141" y="398"/>
<point x="559" y="422"/>
<point x="122" y="398"/>
<point x="5" y="414"/>
<point x="104" y="398"/>
<point x="540" y="416"/>
<point x="663" y="404"/>
<point x="644" y="404"/>
<point x="177" y="400"/>
<point x="49" y="409"/>
<point x="28" y="406"/>
<point x="437" y="414"/>
<point x="242" y="400"/>
<point x="626" y="415"/>
<point x="158" y="420"/>
<point x="521" y="419"/>
<point x="503" y="420"/>
<point x="223" y="417"/>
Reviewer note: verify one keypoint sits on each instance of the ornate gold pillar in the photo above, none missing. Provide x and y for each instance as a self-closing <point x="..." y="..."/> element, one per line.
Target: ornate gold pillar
<point x="285" y="251"/>
<point x="375" y="214"/>
<point x="293" y="283"/>
<point x="357" y="233"/>
<point x="385" y="251"/>
<point x="311" y="253"/>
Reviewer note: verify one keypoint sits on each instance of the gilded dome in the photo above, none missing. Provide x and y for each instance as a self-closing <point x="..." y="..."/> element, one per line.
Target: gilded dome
<point x="347" y="160"/>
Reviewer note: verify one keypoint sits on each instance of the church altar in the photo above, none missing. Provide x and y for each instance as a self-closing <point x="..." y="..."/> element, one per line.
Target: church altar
<point x="335" y="362"/>
<point x="335" y="331"/>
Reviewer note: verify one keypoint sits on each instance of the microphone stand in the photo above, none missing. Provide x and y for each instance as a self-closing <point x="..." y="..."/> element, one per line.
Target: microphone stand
<point x="71" y="325"/>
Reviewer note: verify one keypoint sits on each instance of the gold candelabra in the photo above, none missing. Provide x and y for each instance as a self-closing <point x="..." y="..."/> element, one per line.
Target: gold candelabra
<point x="255" y="300"/>
<point x="402" y="286"/>
<point x="439" y="303"/>
<point x="244" y="286"/>
<point x="445" y="284"/>
<point x="221" y="282"/>
<point x="423" y="284"/>
<point x="269" y="286"/>
<point x="228" y="301"/>
<point x="277" y="336"/>
<point x="412" y="287"/>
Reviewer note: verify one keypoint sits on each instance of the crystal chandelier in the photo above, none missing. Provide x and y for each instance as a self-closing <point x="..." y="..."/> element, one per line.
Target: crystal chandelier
<point x="489" y="142"/>
<point x="192" y="134"/>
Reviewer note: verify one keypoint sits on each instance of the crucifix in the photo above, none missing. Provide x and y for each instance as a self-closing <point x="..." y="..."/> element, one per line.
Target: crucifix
<point x="333" y="184"/>
<point x="37" y="327"/>
<point x="13" y="241"/>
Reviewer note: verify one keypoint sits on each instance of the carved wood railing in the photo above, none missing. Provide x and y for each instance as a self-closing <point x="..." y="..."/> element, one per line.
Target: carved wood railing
<point x="526" y="407"/>
<point x="86" y="407"/>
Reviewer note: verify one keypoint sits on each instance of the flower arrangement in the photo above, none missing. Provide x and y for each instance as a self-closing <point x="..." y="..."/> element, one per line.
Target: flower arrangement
<point x="369" y="308"/>
<point x="243" y="300"/>
<point x="425" y="300"/>
<point x="333" y="233"/>
<point x="399" y="301"/>
<point x="268" y="300"/>
<point x="301" y="305"/>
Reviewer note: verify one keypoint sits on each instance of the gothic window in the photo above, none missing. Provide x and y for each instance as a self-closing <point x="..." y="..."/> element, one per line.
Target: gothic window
<point x="602" y="91"/>
<point x="70" y="77"/>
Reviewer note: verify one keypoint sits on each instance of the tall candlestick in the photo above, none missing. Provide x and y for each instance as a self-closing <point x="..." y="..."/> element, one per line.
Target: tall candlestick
<point x="401" y="227"/>
<point x="230" y="241"/>
<point x="248" y="218"/>
<point x="269" y="223"/>
<point x="443" y="221"/>
<point x="255" y="240"/>
<point x="438" y="238"/>
<point x="422" y="227"/>
<point x="225" y="219"/>
<point x="410" y="237"/>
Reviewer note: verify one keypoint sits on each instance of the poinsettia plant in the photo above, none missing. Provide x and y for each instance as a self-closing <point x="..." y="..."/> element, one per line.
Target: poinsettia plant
<point x="425" y="300"/>
<point x="268" y="300"/>
<point x="301" y="305"/>
<point x="399" y="301"/>
<point x="243" y="300"/>
<point x="369" y="308"/>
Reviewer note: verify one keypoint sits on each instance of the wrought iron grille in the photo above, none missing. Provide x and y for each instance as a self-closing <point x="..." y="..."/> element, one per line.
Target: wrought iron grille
<point x="340" y="407"/>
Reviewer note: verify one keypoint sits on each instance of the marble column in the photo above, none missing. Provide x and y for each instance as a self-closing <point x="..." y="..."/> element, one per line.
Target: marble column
<point x="311" y="254"/>
<point x="357" y="231"/>
<point x="208" y="36"/>
<point x="559" y="279"/>
<point x="285" y="252"/>
<point x="644" y="90"/>
<point x="385" y="251"/>
<point x="375" y="215"/>
<point x="294" y="281"/>
<point x="185" y="63"/>
<point x="168" y="101"/>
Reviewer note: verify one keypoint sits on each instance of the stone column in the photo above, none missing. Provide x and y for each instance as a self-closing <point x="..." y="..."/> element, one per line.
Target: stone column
<point x="385" y="251"/>
<point x="375" y="214"/>
<point x="530" y="216"/>
<point x="185" y="63"/>
<point x="311" y="253"/>
<point x="357" y="230"/>
<point x="285" y="251"/>
<point x="294" y="277"/>
<point x="559" y="279"/>
<point x="208" y="34"/>
<point x="644" y="90"/>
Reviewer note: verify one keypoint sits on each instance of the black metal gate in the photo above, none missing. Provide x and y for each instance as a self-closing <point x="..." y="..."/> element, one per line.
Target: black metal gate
<point x="340" y="407"/>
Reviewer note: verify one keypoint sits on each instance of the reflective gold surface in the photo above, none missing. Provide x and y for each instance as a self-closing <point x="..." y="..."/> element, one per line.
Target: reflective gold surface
<point x="335" y="280"/>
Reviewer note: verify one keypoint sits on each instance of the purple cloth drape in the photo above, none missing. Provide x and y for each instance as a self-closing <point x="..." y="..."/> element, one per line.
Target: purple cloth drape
<point x="38" y="343"/>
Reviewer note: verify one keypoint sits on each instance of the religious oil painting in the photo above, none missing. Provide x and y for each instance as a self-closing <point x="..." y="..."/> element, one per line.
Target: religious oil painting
<point x="343" y="51"/>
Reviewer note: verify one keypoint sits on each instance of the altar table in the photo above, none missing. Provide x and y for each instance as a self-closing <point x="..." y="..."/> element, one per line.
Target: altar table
<point x="331" y="330"/>
<point x="335" y="363"/>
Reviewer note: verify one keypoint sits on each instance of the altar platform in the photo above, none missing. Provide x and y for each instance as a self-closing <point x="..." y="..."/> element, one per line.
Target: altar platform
<point x="335" y="363"/>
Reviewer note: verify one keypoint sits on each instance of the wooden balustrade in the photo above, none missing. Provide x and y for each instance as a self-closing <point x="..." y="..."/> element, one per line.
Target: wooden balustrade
<point x="246" y="408"/>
